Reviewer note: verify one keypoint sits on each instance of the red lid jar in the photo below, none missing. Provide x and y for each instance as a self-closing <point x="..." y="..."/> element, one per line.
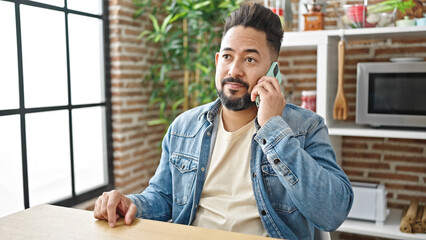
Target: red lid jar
<point x="309" y="100"/>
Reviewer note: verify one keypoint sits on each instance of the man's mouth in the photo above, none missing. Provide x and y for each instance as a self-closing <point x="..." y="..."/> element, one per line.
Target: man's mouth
<point x="234" y="83"/>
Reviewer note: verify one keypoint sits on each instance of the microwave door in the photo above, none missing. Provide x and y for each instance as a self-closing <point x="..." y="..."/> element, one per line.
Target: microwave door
<point x="391" y="94"/>
<point x="397" y="94"/>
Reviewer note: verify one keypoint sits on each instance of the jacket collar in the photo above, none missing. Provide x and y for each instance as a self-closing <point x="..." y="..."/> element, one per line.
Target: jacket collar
<point x="213" y="110"/>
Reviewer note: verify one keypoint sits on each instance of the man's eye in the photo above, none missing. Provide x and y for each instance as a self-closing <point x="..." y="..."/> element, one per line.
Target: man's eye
<point x="226" y="56"/>
<point x="251" y="60"/>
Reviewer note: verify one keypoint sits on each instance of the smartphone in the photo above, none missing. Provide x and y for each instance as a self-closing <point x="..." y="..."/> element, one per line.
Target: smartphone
<point x="274" y="71"/>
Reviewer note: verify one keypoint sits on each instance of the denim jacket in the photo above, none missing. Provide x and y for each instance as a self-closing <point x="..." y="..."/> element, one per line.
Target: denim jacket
<point x="296" y="181"/>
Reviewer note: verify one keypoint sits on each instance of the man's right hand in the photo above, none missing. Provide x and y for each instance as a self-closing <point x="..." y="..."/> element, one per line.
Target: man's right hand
<point x="111" y="205"/>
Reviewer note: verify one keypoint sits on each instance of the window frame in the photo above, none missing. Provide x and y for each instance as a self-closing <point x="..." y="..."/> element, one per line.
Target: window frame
<point x="106" y="102"/>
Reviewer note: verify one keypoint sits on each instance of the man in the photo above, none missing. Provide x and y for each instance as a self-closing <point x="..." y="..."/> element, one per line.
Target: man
<point x="230" y="165"/>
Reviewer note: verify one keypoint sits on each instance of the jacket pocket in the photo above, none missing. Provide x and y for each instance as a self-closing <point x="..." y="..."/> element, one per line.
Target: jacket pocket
<point x="278" y="195"/>
<point x="183" y="170"/>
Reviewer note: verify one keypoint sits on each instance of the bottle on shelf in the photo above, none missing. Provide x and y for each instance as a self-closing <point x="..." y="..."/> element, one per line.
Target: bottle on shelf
<point x="283" y="9"/>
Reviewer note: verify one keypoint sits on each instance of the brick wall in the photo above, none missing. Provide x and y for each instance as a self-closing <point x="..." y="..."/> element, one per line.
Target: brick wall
<point x="299" y="69"/>
<point x="400" y="164"/>
<point x="136" y="152"/>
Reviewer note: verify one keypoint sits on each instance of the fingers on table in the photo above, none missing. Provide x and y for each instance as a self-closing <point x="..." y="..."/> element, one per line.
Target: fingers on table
<point x="114" y="198"/>
<point x="106" y="207"/>
<point x="97" y="211"/>
<point x="130" y="215"/>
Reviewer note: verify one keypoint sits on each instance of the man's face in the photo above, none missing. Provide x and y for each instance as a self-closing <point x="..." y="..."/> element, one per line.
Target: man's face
<point x="243" y="59"/>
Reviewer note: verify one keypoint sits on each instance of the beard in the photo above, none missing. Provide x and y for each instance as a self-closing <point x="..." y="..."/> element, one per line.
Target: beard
<point x="235" y="103"/>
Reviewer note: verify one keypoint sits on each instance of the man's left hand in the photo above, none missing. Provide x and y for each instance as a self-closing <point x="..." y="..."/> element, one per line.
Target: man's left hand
<point x="272" y="101"/>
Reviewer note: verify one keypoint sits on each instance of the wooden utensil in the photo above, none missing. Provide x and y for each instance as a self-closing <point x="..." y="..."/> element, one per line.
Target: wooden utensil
<point x="340" y="111"/>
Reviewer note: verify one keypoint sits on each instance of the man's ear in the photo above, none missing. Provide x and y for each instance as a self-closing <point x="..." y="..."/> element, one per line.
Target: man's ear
<point x="216" y="58"/>
<point x="274" y="55"/>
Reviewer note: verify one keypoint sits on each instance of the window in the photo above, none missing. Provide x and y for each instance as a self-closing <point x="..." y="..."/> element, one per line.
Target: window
<point x="55" y="112"/>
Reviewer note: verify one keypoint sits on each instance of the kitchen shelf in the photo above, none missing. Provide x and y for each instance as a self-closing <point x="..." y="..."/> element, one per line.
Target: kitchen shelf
<point x="325" y="42"/>
<point x="390" y="229"/>
<point x="352" y="129"/>
<point x="312" y="38"/>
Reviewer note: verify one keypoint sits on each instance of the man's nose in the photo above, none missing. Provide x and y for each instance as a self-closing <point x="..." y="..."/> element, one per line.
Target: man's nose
<point x="236" y="70"/>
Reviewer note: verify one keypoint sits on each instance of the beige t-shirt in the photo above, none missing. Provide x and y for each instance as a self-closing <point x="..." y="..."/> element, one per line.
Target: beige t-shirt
<point x="227" y="201"/>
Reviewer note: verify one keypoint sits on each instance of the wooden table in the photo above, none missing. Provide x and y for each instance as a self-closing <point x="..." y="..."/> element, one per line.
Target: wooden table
<point x="52" y="222"/>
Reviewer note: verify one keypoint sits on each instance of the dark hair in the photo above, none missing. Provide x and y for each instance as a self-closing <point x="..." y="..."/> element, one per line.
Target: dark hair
<point x="259" y="18"/>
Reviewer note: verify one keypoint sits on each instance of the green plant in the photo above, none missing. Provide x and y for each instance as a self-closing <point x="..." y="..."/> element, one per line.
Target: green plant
<point x="390" y="5"/>
<point x="187" y="33"/>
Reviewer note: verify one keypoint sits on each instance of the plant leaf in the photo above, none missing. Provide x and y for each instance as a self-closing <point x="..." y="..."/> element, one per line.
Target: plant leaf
<point x="159" y="121"/>
<point x="154" y="23"/>
<point x="202" y="67"/>
<point x="201" y="4"/>
<point x="139" y="12"/>
<point x="166" y="22"/>
<point x="178" y="103"/>
<point x="156" y="100"/>
<point x="157" y="38"/>
<point x="178" y="16"/>
<point x="146" y="32"/>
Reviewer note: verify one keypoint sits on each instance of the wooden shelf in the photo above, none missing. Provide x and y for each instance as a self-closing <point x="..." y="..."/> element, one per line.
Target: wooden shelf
<point x="353" y="129"/>
<point x="314" y="38"/>
<point x="390" y="229"/>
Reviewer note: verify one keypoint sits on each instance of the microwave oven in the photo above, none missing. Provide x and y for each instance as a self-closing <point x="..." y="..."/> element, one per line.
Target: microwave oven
<point x="391" y="94"/>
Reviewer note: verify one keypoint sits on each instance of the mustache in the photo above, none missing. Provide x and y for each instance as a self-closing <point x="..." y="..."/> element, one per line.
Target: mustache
<point x="234" y="80"/>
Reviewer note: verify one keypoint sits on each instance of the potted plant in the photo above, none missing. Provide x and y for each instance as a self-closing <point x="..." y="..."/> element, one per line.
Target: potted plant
<point x="187" y="33"/>
<point x="383" y="14"/>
